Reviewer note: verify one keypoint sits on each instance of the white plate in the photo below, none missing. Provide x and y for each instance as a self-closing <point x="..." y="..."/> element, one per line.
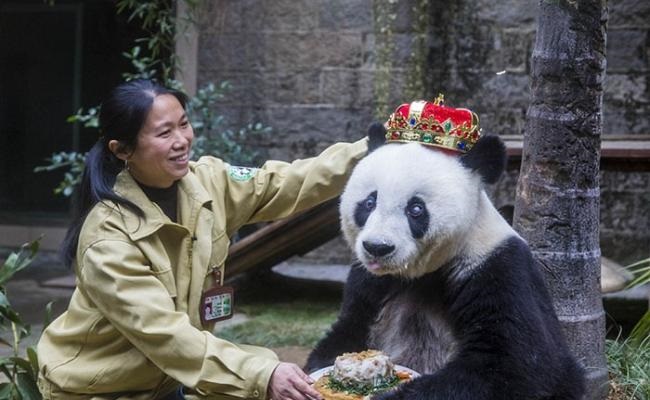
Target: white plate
<point x="317" y="374"/>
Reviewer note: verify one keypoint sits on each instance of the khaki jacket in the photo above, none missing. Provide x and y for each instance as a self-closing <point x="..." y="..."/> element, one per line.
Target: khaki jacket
<point x="132" y="329"/>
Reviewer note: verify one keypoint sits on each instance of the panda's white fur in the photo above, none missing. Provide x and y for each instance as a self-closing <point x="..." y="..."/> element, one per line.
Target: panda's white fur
<point x="462" y="219"/>
<point x="444" y="285"/>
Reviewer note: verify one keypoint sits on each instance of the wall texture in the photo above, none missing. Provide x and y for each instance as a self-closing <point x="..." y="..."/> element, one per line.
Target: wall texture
<point x="309" y="68"/>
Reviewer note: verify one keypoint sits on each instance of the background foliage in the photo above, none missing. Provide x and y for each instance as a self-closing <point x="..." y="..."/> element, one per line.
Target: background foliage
<point x="20" y="372"/>
<point x="628" y="359"/>
<point x="152" y="57"/>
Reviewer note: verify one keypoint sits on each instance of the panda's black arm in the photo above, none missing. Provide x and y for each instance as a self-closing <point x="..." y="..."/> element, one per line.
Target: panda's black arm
<point x="361" y="302"/>
<point x="510" y="342"/>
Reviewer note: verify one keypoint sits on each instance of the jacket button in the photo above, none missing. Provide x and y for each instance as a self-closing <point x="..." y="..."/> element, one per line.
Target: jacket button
<point x="256" y="393"/>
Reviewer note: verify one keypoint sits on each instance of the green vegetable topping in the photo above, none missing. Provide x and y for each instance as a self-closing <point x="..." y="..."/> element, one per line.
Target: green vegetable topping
<point x="360" y="388"/>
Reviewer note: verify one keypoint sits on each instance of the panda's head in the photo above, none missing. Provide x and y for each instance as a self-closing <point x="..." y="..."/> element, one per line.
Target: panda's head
<point x="407" y="209"/>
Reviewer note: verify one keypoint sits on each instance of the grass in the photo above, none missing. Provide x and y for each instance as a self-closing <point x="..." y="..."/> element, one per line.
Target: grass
<point x="629" y="369"/>
<point x="297" y="323"/>
<point x="628" y="359"/>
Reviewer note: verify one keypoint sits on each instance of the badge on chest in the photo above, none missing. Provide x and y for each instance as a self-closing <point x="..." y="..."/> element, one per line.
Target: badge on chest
<point x="216" y="301"/>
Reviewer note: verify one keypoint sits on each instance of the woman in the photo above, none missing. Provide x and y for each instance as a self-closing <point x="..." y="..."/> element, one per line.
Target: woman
<point x="149" y="247"/>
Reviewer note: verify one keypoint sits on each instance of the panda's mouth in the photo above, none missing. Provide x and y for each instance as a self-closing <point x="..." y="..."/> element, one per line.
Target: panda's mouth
<point x="374" y="266"/>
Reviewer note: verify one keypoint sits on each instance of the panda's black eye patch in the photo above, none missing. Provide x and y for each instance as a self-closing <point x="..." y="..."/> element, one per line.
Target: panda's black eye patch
<point x="417" y="216"/>
<point x="364" y="208"/>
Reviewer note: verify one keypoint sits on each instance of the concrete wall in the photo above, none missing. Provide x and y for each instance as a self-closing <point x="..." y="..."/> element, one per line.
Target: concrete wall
<point x="308" y="68"/>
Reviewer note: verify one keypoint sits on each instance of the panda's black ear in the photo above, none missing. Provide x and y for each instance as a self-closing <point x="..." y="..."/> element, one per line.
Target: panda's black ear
<point x="488" y="157"/>
<point x="376" y="136"/>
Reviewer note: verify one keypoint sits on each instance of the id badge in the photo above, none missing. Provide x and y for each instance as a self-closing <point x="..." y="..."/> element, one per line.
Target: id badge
<point x="216" y="302"/>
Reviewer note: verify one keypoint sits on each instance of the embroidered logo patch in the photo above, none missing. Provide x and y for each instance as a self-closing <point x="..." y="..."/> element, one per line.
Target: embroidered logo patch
<point x="241" y="173"/>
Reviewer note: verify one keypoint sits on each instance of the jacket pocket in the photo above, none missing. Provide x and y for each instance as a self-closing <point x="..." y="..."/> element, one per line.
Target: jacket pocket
<point x="166" y="276"/>
<point x="220" y="246"/>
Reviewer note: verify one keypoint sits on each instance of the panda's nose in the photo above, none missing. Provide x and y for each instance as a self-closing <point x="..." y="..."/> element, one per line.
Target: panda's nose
<point x="378" y="249"/>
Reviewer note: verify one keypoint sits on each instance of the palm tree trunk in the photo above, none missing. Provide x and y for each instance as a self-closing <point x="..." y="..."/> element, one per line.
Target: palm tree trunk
<point x="558" y="196"/>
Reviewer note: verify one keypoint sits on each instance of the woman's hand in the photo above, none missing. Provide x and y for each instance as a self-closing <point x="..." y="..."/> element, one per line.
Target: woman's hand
<point x="289" y="382"/>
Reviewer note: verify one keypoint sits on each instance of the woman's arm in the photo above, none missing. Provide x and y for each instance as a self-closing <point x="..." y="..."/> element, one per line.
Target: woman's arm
<point x="114" y="274"/>
<point x="279" y="189"/>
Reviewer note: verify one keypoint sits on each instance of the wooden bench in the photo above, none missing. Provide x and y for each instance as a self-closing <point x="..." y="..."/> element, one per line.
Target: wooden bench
<point x="617" y="152"/>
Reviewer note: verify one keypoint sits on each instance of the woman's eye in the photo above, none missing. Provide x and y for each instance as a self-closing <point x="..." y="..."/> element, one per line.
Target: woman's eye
<point x="185" y="124"/>
<point x="415" y="210"/>
<point x="164" y="133"/>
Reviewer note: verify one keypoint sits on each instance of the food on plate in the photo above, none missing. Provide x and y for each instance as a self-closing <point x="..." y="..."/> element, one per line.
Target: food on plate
<point x="356" y="376"/>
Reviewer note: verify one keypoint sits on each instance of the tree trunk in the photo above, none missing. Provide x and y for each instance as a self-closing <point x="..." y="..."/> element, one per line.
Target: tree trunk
<point x="558" y="195"/>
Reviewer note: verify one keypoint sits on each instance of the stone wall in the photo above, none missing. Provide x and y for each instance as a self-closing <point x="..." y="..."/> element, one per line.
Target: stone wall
<point x="301" y="67"/>
<point x="307" y="68"/>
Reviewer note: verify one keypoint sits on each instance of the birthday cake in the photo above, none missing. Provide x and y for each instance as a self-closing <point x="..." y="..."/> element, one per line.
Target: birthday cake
<point x="357" y="376"/>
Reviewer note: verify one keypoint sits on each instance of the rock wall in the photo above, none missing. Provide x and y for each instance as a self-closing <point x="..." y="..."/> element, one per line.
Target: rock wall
<point x="309" y="70"/>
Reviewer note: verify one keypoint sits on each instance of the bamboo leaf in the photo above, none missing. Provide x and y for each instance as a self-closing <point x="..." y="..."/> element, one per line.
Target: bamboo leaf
<point x="3" y="368"/>
<point x="641" y="262"/>
<point x="5" y="390"/>
<point x="4" y="301"/>
<point x="22" y="363"/>
<point x="11" y="315"/>
<point x="33" y="360"/>
<point x="641" y="330"/>
<point x="18" y="261"/>
<point x="639" y="280"/>
<point x="48" y="314"/>
<point x="27" y="387"/>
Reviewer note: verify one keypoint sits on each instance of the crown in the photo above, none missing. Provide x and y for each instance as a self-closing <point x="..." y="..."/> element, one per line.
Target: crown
<point x="433" y="124"/>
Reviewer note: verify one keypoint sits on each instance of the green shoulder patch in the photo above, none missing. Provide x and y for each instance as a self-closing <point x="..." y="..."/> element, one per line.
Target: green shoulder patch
<point x="241" y="173"/>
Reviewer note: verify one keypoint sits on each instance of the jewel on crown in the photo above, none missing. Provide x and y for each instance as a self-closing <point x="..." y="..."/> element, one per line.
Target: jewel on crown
<point x="434" y="124"/>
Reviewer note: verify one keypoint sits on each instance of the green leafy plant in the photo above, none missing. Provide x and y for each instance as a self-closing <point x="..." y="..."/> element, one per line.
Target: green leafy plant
<point x="212" y="138"/>
<point x="157" y="19"/>
<point x="641" y="272"/>
<point x="385" y="14"/>
<point x="74" y="162"/>
<point x="417" y="77"/>
<point x="152" y="57"/>
<point x="628" y="359"/>
<point x="21" y="372"/>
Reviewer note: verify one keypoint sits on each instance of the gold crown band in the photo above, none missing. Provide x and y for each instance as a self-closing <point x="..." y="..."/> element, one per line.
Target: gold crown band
<point x="429" y="139"/>
<point x="430" y="131"/>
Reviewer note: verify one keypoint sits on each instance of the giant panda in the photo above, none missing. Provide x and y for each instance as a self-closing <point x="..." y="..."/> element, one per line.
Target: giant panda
<point x="444" y="285"/>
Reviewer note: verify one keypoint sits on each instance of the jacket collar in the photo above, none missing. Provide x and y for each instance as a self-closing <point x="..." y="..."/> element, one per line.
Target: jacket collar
<point x="192" y="196"/>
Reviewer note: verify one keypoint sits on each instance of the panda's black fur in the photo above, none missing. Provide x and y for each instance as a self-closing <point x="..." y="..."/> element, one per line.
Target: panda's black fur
<point x="476" y="330"/>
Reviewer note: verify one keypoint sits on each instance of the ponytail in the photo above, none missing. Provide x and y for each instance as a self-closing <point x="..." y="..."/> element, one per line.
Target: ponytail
<point x="101" y="169"/>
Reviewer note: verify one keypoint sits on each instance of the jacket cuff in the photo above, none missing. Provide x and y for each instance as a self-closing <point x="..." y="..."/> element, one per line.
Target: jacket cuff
<point x="260" y="369"/>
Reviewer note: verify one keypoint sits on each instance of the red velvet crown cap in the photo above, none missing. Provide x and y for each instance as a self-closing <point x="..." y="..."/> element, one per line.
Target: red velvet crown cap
<point x="433" y="124"/>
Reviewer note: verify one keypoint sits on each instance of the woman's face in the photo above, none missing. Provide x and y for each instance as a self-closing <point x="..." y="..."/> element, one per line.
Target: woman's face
<point x="162" y="152"/>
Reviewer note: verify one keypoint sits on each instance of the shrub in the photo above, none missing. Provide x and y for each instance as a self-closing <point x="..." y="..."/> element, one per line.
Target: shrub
<point x="21" y="372"/>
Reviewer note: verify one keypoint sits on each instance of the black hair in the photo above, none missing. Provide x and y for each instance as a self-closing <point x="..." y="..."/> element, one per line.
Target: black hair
<point x="122" y="115"/>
